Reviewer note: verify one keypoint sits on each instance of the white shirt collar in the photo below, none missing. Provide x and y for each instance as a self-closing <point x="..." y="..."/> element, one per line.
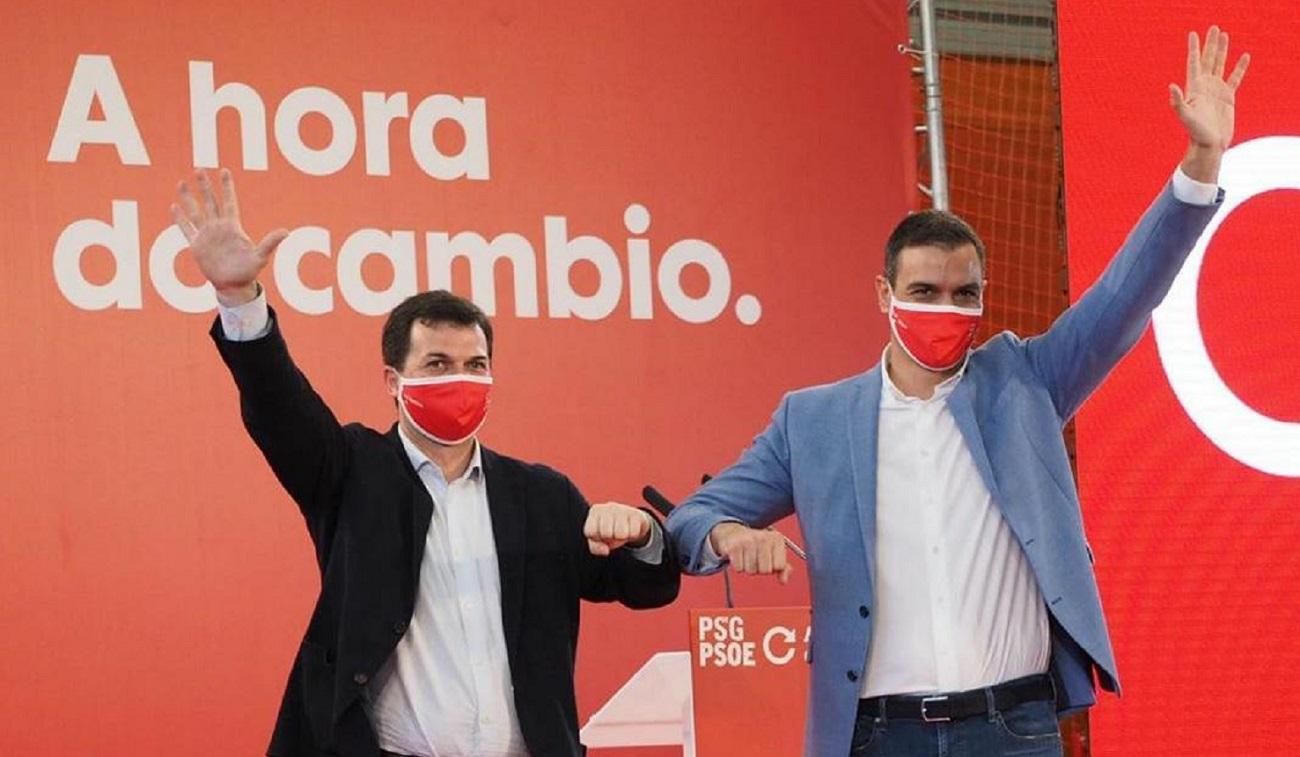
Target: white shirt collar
<point x="419" y="459"/>
<point x="890" y="394"/>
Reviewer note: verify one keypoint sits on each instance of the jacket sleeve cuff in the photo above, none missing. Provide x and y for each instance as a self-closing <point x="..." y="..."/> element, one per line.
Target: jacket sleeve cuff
<point x="652" y="552"/>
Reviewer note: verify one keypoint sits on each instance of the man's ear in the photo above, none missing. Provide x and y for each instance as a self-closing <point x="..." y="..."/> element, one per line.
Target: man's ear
<point x="882" y="293"/>
<point x="391" y="381"/>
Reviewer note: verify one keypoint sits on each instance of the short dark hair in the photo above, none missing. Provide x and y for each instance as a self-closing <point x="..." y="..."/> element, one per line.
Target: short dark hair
<point x="429" y="308"/>
<point x="929" y="227"/>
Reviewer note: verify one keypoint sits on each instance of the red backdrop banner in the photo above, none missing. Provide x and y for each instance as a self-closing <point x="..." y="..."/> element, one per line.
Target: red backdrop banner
<point x="1189" y="456"/>
<point x="685" y="203"/>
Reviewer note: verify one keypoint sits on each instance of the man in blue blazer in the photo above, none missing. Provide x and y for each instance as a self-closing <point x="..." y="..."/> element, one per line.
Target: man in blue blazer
<point x="955" y="609"/>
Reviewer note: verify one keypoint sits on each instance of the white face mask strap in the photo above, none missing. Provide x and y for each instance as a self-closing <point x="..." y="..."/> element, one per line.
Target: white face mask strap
<point x="925" y="307"/>
<point x="451" y="378"/>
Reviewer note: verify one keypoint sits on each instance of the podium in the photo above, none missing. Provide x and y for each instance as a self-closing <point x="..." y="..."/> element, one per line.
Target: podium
<point x="744" y="681"/>
<point x="749" y="679"/>
<point x="652" y="709"/>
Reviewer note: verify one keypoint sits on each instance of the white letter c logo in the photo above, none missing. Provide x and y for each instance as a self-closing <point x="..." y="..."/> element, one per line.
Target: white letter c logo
<point x="1259" y="441"/>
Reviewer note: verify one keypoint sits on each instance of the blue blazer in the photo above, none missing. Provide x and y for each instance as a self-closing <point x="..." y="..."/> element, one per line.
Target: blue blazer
<point x="817" y="459"/>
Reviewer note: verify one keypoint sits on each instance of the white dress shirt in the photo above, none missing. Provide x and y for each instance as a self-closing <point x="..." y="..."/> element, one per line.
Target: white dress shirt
<point x="446" y="690"/>
<point x="957" y="606"/>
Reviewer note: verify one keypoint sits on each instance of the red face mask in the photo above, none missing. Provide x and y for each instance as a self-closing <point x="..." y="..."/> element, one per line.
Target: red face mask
<point x="937" y="337"/>
<point x="447" y="409"/>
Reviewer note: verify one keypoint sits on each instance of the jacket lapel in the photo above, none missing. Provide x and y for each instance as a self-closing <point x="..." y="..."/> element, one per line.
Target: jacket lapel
<point x="509" y="528"/>
<point x="864" y="425"/>
<point x="963" y="411"/>
<point x="421" y="507"/>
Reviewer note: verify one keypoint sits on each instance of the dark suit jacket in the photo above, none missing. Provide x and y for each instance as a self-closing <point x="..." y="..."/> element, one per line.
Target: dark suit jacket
<point x="368" y="514"/>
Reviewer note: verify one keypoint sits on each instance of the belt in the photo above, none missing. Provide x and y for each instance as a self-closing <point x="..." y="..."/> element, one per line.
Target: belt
<point x="940" y="708"/>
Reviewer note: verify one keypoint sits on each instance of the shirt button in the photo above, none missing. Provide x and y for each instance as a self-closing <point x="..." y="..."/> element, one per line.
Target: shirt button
<point x="863" y="611"/>
<point x="852" y="675"/>
<point x="360" y="679"/>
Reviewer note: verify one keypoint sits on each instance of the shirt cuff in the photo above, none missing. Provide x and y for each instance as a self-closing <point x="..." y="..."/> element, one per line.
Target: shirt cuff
<point x="244" y="323"/>
<point x="1193" y="192"/>
<point x="652" y="552"/>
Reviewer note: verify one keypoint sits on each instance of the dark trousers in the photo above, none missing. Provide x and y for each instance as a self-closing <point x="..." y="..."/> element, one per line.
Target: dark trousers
<point x="1026" y="730"/>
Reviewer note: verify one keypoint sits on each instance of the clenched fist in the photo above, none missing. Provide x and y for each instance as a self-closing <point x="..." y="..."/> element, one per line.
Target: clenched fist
<point x="611" y="525"/>
<point x="750" y="550"/>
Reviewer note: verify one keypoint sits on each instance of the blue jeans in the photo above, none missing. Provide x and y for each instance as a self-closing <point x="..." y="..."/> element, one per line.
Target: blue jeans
<point x="1027" y="730"/>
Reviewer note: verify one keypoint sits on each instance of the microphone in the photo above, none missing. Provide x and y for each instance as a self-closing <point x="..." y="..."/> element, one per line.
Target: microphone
<point x="656" y="500"/>
<point x="662" y="504"/>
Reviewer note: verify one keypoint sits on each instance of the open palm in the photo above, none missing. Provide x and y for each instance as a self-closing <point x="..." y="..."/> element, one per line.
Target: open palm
<point x="226" y="255"/>
<point x="1207" y="107"/>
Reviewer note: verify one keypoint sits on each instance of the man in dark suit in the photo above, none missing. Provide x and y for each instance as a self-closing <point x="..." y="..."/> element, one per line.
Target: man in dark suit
<point x="447" y="621"/>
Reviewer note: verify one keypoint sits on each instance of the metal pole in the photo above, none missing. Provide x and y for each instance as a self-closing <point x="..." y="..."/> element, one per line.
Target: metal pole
<point x="933" y="108"/>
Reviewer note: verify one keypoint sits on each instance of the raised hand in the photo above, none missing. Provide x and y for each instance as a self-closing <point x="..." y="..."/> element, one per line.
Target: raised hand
<point x="750" y="550"/>
<point x="225" y="254"/>
<point x="611" y="525"/>
<point x="1206" y="109"/>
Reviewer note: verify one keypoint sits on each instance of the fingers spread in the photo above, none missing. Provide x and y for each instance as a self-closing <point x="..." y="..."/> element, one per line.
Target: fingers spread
<point x="1208" y="51"/>
<point x="183" y="223"/>
<point x="1239" y="72"/>
<point x="271" y="241"/>
<point x="229" y="202"/>
<point x="188" y="204"/>
<point x="1177" y="100"/>
<point x="205" y="192"/>
<point x="1193" y="57"/>
<point x="1221" y="55"/>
